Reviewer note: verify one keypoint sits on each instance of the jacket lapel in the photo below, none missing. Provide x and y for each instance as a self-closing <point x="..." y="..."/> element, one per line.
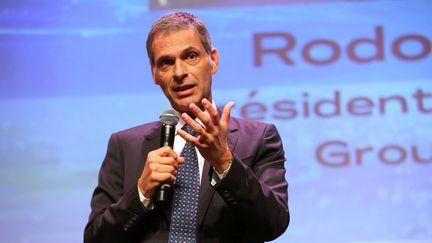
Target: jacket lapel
<point x="151" y="142"/>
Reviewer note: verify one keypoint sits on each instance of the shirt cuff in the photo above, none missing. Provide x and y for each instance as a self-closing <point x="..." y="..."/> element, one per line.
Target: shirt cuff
<point x="146" y="202"/>
<point x="217" y="177"/>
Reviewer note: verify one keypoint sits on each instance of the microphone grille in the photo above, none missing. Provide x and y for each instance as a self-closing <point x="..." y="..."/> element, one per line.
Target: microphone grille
<point x="169" y="117"/>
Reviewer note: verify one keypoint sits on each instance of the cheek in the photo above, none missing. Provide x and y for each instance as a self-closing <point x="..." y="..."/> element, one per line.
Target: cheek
<point x="164" y="86"/>
<point x="158" y="79"/>
<point x="206" y="73"/>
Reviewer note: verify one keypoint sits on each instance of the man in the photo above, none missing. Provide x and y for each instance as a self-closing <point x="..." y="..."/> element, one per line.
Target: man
<point x="241" y="191"/>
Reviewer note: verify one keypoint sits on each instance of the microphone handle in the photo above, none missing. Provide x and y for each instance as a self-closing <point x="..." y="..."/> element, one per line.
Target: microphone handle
<point x="163" y="193"/>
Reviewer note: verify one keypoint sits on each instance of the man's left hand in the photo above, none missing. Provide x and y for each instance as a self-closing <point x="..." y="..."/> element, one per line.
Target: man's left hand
<point x="212" y="139"/>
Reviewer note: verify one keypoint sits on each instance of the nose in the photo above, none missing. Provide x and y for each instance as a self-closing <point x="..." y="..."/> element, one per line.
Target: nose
<point x="180" y="71"/>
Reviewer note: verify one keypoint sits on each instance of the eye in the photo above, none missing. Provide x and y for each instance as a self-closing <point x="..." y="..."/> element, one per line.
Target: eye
<point x="192" y="55"/>
<point x="164" y="62"/>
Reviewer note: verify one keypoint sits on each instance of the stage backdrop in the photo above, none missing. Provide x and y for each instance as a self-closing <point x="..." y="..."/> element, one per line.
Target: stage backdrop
<point x="347" y="83"/>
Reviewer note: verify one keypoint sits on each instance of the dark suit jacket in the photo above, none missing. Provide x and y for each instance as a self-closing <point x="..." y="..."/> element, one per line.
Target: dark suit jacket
<point x="249" y="205"/>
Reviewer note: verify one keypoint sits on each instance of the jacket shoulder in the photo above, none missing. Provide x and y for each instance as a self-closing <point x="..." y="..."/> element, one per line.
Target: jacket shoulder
<point x="138" y="131"/>
<point x="248" y="125"/>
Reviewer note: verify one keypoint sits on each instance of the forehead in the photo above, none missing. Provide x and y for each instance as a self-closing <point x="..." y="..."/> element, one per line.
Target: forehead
<point x="174" y="42"/>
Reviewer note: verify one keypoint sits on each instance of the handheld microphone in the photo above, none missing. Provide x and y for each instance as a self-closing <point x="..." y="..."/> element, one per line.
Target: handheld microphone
<point x="169" y="120"/>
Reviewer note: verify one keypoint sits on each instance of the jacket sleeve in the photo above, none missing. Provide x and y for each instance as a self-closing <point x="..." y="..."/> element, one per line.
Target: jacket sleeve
<point x="115" y="211"/>
<point x="256" y="187"/>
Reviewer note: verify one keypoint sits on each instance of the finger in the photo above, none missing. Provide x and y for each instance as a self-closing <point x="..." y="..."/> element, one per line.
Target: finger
<point x="226" y="114"/>
<point x="161" y="178"/>
<point x="188" y="137"/>
<point x="165" y="152"/>
<point x="191" y="139"/>
<point x="168" y="161"/>
<point x="214" y="116"/>
<point x="193" y="124"/>
<point x="166" y="169"/>
<point x="201" y="115"/>
<point x="180" y="160"/>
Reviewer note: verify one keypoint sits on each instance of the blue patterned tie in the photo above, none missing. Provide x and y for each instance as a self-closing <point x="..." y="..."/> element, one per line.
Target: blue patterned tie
<point x="183" y="227"/>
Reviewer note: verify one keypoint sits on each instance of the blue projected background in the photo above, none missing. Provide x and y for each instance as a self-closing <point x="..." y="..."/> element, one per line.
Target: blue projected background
<point x="347" y="83"/>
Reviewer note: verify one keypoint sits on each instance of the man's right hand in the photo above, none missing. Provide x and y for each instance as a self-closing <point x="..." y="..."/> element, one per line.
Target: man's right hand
<point x="160" y="168"/>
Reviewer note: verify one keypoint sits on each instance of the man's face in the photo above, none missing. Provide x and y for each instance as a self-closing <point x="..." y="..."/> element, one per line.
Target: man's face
<point x="182" y="68"/>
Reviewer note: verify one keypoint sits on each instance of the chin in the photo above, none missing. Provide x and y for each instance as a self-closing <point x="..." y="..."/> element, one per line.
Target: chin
<point x="183" y="107"/>
<point x="184" y="104"/>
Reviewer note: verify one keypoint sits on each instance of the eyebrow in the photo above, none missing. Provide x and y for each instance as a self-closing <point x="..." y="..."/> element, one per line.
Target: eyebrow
<point x="186" y="50"/>
<point x="190" y="48"/>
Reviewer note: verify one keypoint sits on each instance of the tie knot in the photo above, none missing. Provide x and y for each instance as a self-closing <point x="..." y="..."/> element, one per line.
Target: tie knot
<point x="189" y="130"/>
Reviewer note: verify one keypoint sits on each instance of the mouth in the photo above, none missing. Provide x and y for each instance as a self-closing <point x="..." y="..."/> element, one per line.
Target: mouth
<point x="184" y="90"/>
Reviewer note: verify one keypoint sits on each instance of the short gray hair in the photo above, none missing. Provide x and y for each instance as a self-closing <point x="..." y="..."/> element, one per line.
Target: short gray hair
<point x="178" y="21"/>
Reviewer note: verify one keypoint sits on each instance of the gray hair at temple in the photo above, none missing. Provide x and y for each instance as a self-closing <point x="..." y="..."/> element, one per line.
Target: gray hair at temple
<point x="174" y="22"/>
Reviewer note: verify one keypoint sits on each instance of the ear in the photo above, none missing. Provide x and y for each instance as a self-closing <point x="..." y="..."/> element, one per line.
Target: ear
<point x="214" y="60"/>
